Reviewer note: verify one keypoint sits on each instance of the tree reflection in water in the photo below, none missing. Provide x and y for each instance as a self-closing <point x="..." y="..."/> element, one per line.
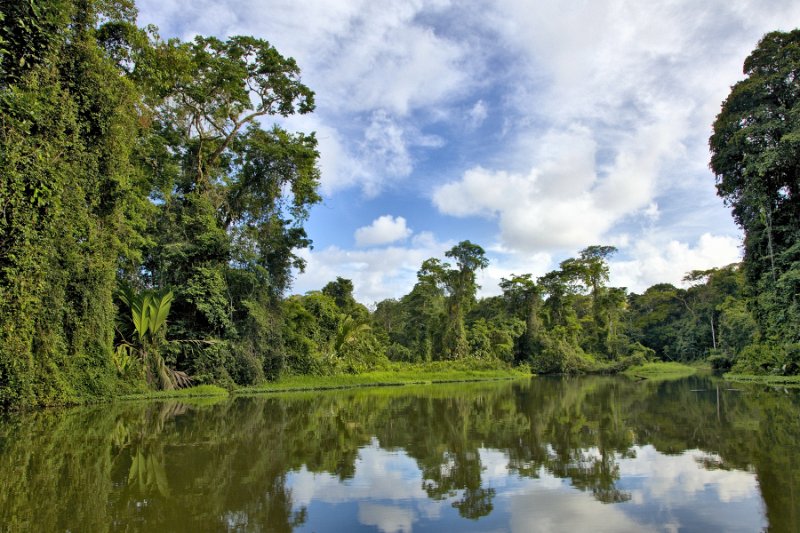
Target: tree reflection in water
<point x="230" y="466"/>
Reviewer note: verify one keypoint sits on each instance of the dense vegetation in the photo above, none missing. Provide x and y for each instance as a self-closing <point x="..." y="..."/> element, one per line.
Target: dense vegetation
<point x="756" y="157"/>
<point x="150" y="223"/>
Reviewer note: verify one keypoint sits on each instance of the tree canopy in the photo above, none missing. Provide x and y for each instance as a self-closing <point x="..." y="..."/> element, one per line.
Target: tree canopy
<point x="756" y="158"/>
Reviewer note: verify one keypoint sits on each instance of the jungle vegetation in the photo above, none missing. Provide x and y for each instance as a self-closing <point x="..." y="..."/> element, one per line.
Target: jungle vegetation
<point x="150" y="223"/>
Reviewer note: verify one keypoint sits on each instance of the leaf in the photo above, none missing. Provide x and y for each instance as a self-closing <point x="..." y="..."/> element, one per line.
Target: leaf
<point x="159" y="307"/>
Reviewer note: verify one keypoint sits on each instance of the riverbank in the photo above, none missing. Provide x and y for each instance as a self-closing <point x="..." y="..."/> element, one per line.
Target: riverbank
<point x="662" y="370"/>
<point x="397" y="375"/>
<point x="786" y="381"/>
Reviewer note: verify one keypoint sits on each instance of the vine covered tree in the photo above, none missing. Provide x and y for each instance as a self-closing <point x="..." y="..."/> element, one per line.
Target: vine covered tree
<point x="756" y="158"/>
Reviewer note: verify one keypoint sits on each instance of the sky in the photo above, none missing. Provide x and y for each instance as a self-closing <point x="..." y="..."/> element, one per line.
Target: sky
<point x="533" y="128"/>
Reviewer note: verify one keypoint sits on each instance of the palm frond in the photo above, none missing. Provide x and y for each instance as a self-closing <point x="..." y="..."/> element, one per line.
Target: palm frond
<point x="159" y="306"/>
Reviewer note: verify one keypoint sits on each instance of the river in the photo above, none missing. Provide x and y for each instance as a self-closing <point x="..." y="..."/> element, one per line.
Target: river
<point x="545" y="454"/>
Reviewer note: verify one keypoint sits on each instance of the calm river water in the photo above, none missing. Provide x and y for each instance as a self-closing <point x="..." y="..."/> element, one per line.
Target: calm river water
<point x="564" y="454"/>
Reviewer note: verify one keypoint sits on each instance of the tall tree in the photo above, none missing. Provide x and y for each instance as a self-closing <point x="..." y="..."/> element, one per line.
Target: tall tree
<point x="462" y="287"/>
<point x="524" y="299"/>
<point x="756" y="158"/>
<point x="592" y="270"/>
<point x="233" y="196"/>
<point x="425" y="311"/>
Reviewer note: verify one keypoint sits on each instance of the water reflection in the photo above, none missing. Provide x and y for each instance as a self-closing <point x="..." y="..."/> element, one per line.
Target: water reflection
<point x="547" y="455"/>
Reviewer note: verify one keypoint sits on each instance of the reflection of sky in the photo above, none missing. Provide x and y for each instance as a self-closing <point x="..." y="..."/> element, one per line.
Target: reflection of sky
<point x="667" y="493"/>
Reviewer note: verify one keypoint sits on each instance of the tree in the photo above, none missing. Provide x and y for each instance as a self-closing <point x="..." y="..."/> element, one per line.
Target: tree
<point x="523" y="300"/>
<point x="654" y="318"/>
<point x="461" y="285"/>
<point x="755" y="151"/>
<point x="341" y="291"/>
<point x="591" y="268"/>
<point x="232" y="196"/>
<point x="425" y="311"/>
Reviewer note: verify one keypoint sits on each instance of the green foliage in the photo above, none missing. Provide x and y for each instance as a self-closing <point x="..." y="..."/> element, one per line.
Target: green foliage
<point x="762" y="358"/>
<point x="461" y="287"/>
<point x="68" y="133"/>
<point x="133" y="161"/>
<point x="755" y="152"/>
<point x="148" y="313"/>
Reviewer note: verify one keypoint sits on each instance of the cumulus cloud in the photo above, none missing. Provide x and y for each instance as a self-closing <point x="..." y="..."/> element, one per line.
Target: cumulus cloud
<point x="383" y="230"/>
<point x="659" y="260"/>
<point x="377" y="273"/>
<point x="564" y="201"/>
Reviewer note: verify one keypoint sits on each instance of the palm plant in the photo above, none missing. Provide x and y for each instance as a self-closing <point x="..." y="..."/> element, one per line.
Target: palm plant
<point x="347" y="332"/>
<point x="148" y="316"/>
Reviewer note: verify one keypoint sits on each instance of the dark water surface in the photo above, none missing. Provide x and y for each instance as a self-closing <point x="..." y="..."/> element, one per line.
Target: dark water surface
<point x="573" y="454"/>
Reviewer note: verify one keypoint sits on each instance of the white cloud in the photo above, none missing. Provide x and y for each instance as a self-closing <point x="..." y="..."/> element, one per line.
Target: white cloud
<point x="377" y="273"/>
<point x="666" y="261"/>
<point x="562" y="202"/>
<point x="387" y="518"/>
<point x="678" y="479"/>
<point x="383" y="230"/>
<point x="478" y="113"/>
<point x="624" y="95"/>
<point x="384" y="145"/>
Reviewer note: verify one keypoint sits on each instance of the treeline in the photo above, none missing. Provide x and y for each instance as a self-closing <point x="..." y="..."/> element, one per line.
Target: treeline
<point x="149" y="224"/>
<point x="566" y="321"/>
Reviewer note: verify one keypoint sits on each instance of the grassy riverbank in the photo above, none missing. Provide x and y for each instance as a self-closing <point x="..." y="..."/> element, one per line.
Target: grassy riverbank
<point x="395" y="375"/>
<point x="660" y="371"/>
<point x="790" y="381"/>
<point x="401" y="374"/>
<point x="200" y="391"/>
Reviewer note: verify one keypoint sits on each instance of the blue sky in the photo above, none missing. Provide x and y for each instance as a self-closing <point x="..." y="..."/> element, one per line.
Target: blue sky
<point x="532" y="128"/>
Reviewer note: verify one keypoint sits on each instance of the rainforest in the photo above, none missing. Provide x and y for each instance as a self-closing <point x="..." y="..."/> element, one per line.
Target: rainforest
<point x="152" y="213"/>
